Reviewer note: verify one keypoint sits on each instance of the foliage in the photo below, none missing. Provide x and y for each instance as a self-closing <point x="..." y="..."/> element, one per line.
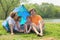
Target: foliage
<point x="45" y="10"/>
<point x="6" y="6"/>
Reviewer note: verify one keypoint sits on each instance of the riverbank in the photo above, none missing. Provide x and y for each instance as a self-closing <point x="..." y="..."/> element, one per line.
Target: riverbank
<point x="52" y="20"/>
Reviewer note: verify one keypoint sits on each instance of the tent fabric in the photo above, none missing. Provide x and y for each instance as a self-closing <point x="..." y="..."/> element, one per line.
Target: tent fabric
<point x="5" y="25"/>
<point x="23" y="12"/>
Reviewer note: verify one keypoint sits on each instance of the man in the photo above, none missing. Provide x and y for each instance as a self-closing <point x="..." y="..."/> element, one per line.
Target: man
<point x="13" y="22"/>
<point x="37" y="23"/>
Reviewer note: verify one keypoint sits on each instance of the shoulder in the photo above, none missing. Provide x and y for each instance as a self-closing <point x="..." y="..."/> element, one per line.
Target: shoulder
<point x="8" y="18"/>
<point x="38" y="15"/>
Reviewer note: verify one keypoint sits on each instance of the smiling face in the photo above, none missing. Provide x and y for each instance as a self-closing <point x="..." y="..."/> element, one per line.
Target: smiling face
<point x="33" y="12"/>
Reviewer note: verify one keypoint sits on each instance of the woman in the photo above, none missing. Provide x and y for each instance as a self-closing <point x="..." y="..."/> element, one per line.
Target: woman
<point x="11" y="21"/>
<point x="37" y="23"/>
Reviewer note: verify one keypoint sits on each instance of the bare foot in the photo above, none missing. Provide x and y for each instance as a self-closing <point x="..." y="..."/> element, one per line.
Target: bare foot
<point x="12" y="33"/>
<point x="41" y="34"/>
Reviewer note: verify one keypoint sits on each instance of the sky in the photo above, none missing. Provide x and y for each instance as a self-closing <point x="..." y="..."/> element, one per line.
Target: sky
<point x="55" y="2"/>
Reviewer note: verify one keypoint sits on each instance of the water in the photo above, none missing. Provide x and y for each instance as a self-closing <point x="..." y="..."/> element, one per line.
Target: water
<point x="47" y="20"/>
<point x="52" y="20"/>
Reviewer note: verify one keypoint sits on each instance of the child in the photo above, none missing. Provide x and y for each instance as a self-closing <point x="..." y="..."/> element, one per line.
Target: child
<point x="28" y="25"/>
<point x="18" y="24"/>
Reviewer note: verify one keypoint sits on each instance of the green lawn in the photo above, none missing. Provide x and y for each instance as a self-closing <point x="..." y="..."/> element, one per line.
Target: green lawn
<point x="52" y="32"/>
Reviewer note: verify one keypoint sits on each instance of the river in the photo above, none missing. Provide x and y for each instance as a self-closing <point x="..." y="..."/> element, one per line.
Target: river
<point x="52" y="20"/>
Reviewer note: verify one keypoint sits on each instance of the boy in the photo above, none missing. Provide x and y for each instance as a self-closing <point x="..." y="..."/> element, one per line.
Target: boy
<point x="18" y="25"/>
<point x="28" y="25"/>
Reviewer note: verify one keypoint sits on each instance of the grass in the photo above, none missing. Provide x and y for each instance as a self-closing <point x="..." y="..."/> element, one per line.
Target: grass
<point x="52" y="32"/>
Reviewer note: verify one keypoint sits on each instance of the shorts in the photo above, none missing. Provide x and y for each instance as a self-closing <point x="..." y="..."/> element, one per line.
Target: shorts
<point x="22" y="26"/>
<point x="37" y="27"/>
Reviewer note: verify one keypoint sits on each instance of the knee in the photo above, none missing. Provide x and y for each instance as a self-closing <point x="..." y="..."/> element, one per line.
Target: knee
<point x="32" y="24"/>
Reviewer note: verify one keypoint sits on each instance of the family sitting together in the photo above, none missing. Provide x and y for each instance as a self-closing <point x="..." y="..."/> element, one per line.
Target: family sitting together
<point x="34" y="23"/>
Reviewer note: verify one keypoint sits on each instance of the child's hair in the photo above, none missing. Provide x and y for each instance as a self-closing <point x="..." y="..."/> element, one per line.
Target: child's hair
<point x="12" y="14"/>
<point x="18" y="18"/>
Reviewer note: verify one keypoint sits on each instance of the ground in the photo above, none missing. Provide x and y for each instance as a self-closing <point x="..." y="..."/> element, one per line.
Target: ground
<point x="52" y="32"/>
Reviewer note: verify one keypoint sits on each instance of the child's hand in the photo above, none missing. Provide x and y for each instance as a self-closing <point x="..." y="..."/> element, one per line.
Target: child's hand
<point x="27" y="32"/>
<point x="17" y="22"/>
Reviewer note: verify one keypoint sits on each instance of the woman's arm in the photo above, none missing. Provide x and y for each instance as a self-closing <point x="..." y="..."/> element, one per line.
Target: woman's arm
<point x="29" y="29"/>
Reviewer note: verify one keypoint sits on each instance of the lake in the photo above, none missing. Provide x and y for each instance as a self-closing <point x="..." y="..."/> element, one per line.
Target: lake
<point x="48" y="20"/>
<point x="52" y="20"/>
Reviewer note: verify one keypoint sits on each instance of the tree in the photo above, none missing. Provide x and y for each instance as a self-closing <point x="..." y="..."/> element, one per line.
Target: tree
<point x="8" y="5"/>
<point x="46" y="10"/>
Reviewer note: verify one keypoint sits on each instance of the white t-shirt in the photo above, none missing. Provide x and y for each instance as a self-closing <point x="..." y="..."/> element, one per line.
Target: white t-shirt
<point x="12" y="21"/>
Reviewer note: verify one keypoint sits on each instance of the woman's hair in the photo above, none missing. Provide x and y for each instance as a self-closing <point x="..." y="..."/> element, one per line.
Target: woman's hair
<point x="32" y="10"/>
<point x="12" y="14"/>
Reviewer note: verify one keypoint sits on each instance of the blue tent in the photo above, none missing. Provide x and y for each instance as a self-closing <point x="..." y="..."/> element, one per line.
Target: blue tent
<point x="5" y="25"/>
<point x="23" y="12"/>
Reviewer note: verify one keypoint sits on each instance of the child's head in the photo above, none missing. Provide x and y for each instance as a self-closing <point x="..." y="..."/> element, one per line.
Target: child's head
<point x="28" y="18"/>
<point x="18" y="18"/>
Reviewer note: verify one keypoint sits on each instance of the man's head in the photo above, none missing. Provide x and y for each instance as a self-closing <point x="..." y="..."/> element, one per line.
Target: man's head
<point x="13" y="15"/>
<point x="32" y="11"/>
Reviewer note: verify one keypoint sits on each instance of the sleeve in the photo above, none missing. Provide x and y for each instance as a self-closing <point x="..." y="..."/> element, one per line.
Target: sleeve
<point x="10" y="22"/>
<point x="40" y="18"/>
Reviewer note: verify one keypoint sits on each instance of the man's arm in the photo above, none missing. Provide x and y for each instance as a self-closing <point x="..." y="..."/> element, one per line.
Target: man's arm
<point x="11" y="25"/>
<point x="11" y="28"/>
